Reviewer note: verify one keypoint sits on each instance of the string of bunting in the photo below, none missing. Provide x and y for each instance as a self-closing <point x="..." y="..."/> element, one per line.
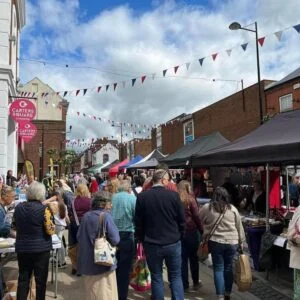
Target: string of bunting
<point x="174" y="69"/>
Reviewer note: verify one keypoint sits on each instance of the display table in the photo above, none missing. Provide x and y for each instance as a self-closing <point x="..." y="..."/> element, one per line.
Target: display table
<point x="56" y="244"/>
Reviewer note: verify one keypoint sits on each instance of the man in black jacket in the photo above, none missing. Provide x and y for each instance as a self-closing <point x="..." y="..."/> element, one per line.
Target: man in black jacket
<point x="159" y="222"/>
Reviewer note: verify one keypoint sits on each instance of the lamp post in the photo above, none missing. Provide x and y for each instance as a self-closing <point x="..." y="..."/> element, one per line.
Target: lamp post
<point x="237" y="26"/>
<point x="120" y="126"/>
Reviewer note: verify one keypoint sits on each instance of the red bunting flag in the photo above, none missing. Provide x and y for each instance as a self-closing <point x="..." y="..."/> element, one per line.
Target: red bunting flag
<point x="261" y="41"/>
<point x="176" y="69"/>
<point x="77" y="92"/>
<point x="78" y="113"/>
<point x="214" y="56"/>
<point x="115" y="85"/>
<point x="143" y="78"/>
<point x="99" y="88"/>
<point x="94" y="117"/>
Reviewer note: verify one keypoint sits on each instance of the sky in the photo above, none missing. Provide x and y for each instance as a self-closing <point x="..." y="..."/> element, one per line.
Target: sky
<point x="108" y="41"/>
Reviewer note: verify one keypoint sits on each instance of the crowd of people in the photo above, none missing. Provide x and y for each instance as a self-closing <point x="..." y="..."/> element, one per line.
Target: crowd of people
<point x="157" y="211"/>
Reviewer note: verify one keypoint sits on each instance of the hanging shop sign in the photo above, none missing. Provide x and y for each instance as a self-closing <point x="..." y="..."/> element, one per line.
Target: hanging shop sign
<point x="22" y="110"/>
<point x="27" y="131"/>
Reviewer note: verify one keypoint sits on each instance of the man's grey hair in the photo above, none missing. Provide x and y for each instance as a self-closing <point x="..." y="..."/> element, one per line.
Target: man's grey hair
<point x="124" y="186"/>
<point x="159" y="175"/>
<point x="36" y="191"/>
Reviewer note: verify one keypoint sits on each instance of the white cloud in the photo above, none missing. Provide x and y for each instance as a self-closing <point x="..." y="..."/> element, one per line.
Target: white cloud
<point x="126" y="44"/>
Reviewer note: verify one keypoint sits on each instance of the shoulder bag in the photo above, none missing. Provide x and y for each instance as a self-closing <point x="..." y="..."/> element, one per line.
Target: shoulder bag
<point x="243" y="273"/>
<point x="104" y="252"/>
<point x="203" y="249"/>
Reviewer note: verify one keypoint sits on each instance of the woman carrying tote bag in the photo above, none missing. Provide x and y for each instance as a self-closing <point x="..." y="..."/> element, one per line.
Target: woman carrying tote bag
<point x="224" y="239"/>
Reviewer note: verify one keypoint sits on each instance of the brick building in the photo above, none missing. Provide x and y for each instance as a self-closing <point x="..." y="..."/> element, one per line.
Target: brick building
<point x="50" y="121"/>
<point x="138" y="147"/>
<point x="284" y="95"/>
<point x="233" y="116"/>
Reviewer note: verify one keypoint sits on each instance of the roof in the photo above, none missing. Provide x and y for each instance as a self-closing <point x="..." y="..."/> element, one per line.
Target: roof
<point x="295" y="74"/>
<point x="277" y="141"/>
<point x="150" y="161"/>
<point x="182" y="157"/>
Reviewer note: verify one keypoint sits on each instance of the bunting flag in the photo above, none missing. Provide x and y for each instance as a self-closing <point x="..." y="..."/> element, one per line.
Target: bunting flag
<point x="297" y="28"/>
<point x="261" y="41"/>
<point x="229" y="52"/>
<point x="201" y="61"/>
<point x="278" y="34"/>
<point x="244" y="46"/>
<point x="214" y="56"/>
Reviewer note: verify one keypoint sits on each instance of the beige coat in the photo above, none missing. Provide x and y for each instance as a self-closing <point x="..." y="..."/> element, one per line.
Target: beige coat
<point x="295" y="250"/>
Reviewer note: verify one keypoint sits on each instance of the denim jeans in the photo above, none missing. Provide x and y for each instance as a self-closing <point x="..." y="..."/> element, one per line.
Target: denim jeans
<point x="190" y="245"/>
<point x="37" y="264"/>
<point x="222" y="258"/>
<point x="125" y="255"/>
<point x="155" y="255"/>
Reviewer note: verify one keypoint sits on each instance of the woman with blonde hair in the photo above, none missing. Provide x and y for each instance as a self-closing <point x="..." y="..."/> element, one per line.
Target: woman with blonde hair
<point x="80" y="205"/>
<point x="191" y="239"/>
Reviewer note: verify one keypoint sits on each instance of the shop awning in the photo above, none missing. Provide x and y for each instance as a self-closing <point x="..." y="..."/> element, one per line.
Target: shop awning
<point x="115" y="169"/>
<point x="277" y="141"/>
<point x="135" y="160"/>
<point x="182" y="157"/>
<point x="106" y="169"/>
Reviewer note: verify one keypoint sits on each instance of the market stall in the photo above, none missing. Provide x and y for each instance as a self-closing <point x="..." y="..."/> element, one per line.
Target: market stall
<point x="276" y="143"/>
<point x="148" y="162"/>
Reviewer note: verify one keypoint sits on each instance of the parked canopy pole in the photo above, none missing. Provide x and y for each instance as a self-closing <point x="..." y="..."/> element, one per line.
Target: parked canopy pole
<point x="267" y="197"/>
<point x="288" y="201"/>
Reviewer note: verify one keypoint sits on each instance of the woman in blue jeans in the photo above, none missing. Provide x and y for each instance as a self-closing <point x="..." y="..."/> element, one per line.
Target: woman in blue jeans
<point x="191" y="239"/>
<point x="223" y="228"/>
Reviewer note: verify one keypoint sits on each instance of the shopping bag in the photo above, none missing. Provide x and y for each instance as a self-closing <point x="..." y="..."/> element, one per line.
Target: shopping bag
<point x="243" y="273"/>
<point x="203" y="252"/>
<point x="72" y="253"/>
<point x="140" y="277"/>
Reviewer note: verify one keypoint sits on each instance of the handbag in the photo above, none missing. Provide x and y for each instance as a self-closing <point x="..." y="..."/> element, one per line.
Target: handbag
<point x="243" y="272"/>
<point x="140" y="277"/>
<point x="203" y="248"/>
<point x="104" y="252"/>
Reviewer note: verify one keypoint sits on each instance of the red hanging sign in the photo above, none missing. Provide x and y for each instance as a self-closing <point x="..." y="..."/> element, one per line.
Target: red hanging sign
<point x="27" y="131"/>
<point x="22" y="110"/>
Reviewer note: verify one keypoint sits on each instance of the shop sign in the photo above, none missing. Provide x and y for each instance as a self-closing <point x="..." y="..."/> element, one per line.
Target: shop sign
<point x="22" y="110"/>
<point x="27" y="131"/>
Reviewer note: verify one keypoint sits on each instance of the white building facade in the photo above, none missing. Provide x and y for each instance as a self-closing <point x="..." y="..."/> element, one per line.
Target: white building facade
<point x="107" y="152"/>
<point x="12" y="20"/>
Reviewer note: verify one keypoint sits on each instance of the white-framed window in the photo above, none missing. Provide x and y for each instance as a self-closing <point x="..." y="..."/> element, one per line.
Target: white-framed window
<point x="286" y="102"/>
<point x="188" y="131"/>
<point x="105" y="158"/>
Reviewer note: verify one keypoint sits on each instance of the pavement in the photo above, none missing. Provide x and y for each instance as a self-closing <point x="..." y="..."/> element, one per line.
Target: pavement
<point x="71" y="287"/>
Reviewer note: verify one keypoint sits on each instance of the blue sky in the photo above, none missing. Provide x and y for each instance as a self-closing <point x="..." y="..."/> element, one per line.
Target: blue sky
<point x="125" y="39"/>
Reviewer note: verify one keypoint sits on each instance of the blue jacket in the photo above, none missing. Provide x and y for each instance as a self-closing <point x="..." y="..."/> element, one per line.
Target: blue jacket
<point x="87" y="233"/>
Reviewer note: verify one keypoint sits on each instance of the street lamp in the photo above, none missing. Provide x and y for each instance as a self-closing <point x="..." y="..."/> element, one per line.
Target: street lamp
<point x="237" y="26"/>
<point x="120" y="126"/>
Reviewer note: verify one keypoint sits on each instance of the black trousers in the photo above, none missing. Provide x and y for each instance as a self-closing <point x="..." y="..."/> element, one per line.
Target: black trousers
<point x="37" y="263"/>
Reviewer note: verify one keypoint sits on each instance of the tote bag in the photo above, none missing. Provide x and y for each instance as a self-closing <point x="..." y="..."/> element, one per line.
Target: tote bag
<point x="104" y="252"/>
<point x="243" y="273"/>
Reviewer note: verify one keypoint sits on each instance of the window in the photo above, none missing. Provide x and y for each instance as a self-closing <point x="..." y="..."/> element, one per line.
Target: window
<point x="286" y="102"/>
<point x="105" y="158"/>
<point x="188" y="129"/>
